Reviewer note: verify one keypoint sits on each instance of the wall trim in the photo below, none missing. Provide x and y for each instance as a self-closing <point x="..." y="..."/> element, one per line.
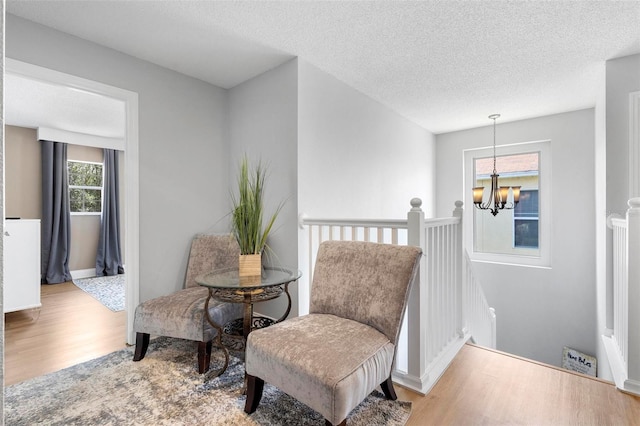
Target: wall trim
<point x="545" y="257"/>
<point x="634" y="144"/>
<point x="434" y="371"/>
<point x="75" y="138"/>
<point x="131" y="172"/>
<point x="83" y="273"/>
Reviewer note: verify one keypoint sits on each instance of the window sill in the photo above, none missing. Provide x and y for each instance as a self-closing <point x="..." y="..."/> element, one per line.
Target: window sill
<point x="518" y="261"/>
<point x="519" y="265"/>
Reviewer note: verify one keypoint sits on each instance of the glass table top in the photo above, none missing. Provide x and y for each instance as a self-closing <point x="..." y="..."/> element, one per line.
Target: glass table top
<point x="229" y="278"/>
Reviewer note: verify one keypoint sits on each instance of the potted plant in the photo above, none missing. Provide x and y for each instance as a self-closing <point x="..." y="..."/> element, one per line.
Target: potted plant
<point x="247" y="218"/>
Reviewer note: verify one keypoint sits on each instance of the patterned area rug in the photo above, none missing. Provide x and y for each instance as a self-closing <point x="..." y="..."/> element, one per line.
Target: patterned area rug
<point x="107" y="290"/>
<point x="165" y="389"/>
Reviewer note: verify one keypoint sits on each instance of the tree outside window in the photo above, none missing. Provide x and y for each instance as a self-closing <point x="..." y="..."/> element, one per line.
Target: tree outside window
<point x="85" y="187"/>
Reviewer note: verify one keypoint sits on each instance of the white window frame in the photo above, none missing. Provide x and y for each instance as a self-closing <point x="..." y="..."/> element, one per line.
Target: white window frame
<point x="543" y="259"/>
<point x="101" y="188"/>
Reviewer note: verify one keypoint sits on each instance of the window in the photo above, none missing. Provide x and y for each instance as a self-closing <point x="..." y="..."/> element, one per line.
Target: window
<point x="525" y="220"/>
<point x="520" y="235"/>
<point x="512" y="230"/>
<point x="85" y="187"/>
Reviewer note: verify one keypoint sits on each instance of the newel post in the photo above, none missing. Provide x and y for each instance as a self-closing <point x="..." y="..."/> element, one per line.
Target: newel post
<point x="416" y="308"/>
<point x="633" y="357"/>
<point x="459" y="272"/>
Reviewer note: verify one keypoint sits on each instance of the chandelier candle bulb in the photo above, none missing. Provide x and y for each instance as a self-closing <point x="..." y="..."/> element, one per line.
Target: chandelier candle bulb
<point x="516" y="194"/>
<point x="504" y="193"/>
<point x="478" y="192"/>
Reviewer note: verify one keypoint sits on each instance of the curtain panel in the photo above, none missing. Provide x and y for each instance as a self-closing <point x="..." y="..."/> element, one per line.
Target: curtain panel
<point x="56" y="218"/>
<point x="109" y="257"/>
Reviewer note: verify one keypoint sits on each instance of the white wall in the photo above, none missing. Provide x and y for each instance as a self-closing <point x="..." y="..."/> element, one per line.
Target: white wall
<point x="600" y="190"/>
<point x="2" y="208"/>
<point x="183" y="152"/>
<point x="623" y="77"/>
<point x="540" y="310"/>
<point x="356" y="157"/>
<point x="263" y="124"/>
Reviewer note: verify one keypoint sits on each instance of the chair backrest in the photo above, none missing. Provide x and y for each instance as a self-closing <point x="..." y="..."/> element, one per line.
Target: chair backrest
<point x="364" y="282"/>
<point x="210" y="252"/>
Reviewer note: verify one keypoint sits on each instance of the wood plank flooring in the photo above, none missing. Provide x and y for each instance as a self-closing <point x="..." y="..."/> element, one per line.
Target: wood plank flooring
<point x="71" y="327"/>
<point x="480" y="387"/>
<point x="486" y="387"/>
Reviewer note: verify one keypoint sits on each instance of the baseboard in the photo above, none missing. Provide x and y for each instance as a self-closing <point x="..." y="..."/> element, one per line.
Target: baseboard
<point x="86" y="273"/>
<point x="83" y="273"/>
<point x="433" y="371"/>
<point x="618" y="367"/>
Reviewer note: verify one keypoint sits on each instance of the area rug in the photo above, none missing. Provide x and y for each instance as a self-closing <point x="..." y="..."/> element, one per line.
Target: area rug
<point x="165" y="389"/>
<point x="107" y="290"/>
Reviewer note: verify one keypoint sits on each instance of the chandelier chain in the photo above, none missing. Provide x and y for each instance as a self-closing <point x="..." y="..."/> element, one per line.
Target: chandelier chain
<point x="498" y="194"/>
<point x="494" y="144"/>
<point x="494" y="117"/>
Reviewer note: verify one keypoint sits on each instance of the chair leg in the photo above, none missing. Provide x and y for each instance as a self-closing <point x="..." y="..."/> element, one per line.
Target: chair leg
<point x="204" y="356"/>
<point x="387" y="388"/>
<point x="255" y="385"/>
<point x="142" y="343"/>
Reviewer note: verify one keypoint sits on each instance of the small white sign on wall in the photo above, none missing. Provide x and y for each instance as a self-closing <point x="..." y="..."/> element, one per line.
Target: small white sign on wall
<point x="579" y="362"/>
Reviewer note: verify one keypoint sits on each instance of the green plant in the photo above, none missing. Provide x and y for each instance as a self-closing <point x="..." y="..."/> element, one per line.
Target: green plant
<point x="248" y="209"/>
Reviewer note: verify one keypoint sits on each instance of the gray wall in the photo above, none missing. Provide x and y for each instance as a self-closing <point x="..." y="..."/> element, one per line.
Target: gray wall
<point x="263" y="124"/>
<point x="540" y="310"/>
<point x="183" y="151"/>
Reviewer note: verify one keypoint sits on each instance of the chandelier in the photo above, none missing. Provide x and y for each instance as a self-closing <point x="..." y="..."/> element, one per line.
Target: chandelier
<point x="499" y="194"/>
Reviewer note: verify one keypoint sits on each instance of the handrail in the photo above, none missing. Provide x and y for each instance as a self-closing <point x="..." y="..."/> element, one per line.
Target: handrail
<point x="385" y="223"/>
<point x="382" y="223"/>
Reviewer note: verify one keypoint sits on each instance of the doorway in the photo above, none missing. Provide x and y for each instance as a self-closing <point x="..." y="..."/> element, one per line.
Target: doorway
<point x="128" y="143"/>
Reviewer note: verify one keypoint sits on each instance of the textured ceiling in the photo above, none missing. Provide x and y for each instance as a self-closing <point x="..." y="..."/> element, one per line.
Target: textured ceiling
<point x="444" y="65"/>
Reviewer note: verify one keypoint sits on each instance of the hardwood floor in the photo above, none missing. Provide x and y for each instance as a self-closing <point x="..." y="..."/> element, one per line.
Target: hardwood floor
<point x="71" y="327"/>
<point x="486" y="387"/>
<point x="480" y="387"/>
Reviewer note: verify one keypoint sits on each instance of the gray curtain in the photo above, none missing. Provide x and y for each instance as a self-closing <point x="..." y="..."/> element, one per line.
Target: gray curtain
<point x="109" y="258"/>
<point x="56" y="219"/>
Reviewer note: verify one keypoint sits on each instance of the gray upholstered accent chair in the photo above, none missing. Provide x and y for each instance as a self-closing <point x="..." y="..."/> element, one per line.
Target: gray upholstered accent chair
<point x="333" y="358"/>
<point x="181" y="314"/>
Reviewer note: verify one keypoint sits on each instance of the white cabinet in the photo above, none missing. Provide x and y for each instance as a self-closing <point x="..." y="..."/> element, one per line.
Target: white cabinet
<point x="21" y="264"/>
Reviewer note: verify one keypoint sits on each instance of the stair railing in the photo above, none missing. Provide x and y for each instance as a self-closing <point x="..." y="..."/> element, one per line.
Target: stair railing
<point x="445" y="305"/>
<point x="623" y="343"/>
<point x="481" y="318"/>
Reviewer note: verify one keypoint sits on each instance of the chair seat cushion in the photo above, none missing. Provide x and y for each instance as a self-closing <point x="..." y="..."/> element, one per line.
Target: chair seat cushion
<point x="181" y="315"/>
<point x="329" y="363"/>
